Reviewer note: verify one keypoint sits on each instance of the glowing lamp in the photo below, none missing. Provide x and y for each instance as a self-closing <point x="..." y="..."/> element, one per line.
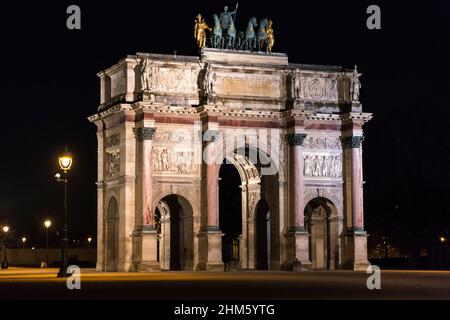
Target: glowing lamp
<point x="47" y="223"/>
<point x="65" y="160"/>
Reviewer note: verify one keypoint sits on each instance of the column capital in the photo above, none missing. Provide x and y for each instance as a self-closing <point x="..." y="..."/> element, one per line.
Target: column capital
<point x="144" y="133"/>
<point x="352" y="142"/>
<point x="295" y="139"/>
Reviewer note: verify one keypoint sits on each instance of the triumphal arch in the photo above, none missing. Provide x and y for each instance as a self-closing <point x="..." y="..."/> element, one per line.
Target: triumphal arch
<point x="231" y="159"/>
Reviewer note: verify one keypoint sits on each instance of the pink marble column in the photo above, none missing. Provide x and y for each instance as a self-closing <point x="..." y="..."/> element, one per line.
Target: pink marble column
<point x="354" y="143"/>
<point x="147" y="182"/>
<point x="296" y="141"/>
<point x="357" y="190"/>
<point x="146" y="135"/>
<point x="212" y="204"/>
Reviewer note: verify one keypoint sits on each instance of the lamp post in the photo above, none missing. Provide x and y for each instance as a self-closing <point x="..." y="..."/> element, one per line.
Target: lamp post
<point x="65" y="162"/>
<point x="5" y="230"/>
<point x="47" y="225"/>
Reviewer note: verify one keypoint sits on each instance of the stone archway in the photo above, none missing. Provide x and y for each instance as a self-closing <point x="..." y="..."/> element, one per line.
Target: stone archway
<point x="112" y="236"/>
<point x="322" y="225"/>
<point x="176" y="228"/>
<point x="249" y="163"/>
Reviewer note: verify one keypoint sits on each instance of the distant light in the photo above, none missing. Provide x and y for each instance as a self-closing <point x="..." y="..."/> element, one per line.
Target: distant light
<point x="57" y="176"/>
<point x="89" y="239"/>
<point x="5" y="229"/>
<point x="24" y="239"/>
<point x="442" y="239"/>
<point x="32" y="248"/>
<point x="47" y="223"/>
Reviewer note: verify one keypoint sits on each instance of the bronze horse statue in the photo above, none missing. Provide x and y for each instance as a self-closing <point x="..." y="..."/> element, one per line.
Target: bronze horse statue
<point x="262" y="36"/>
<point x="250" y="35"/>
<point x="216" y="37"/>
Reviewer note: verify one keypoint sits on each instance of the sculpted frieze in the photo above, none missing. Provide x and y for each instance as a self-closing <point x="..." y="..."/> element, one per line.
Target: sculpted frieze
<point x="156" y="78"/>
<point x="323" y="143"/>
<point x="171" y="160"/>
<point x="324" y="165"/>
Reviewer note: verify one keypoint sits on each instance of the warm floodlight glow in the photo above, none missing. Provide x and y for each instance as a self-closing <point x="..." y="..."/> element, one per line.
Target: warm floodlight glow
<point x="89" y="239"/>
<point x="65" y="160"/>
<point x="24" y="239"/>
<point x="5" y="229"/>
<point x="442" y="239"/>
<point x="47" y="223"/>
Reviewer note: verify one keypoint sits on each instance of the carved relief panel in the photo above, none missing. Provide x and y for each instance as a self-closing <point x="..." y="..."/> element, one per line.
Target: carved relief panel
<point x="176" y="79"/>
<point x="322" y="157"/>
<point x="112" y="156"/>
<point x="173" y="152"/>
<point x="112" y="163"/>
<point x="328" y="88"/>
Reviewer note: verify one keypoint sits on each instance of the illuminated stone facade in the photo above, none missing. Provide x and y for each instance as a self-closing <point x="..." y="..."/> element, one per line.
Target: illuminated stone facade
<point x="165" y="125"/>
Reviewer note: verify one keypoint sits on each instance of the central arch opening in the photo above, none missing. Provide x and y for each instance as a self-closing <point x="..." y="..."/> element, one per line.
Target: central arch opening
<point x="230" y="212"/>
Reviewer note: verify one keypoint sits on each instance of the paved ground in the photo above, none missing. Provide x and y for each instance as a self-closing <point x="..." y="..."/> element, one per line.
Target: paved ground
<point x="25" y="283"/>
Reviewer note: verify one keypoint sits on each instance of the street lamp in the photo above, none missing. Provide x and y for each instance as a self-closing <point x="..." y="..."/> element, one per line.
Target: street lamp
<point x="47" y="224"/>
<point x="65" y="163"/>
<point x="5" y="230"/>
<point x="24" y="239"/>
<point x="442" y="239"/>
<point x="89" y="241"/>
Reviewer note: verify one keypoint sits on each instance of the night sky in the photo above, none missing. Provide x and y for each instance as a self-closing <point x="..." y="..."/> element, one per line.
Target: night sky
<point x="49" y="87"/>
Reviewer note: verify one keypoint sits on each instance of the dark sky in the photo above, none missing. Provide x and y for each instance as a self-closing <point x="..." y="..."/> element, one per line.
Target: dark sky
<point x="49" y="87"/>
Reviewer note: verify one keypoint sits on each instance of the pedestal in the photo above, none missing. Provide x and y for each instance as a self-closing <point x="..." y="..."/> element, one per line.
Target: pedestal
<point x="297" y="249"/>
<point x="147" y="260"/>
<point x="355" y="251"/>
<point x="302" y="250"/>
<point x="213" y="251"/>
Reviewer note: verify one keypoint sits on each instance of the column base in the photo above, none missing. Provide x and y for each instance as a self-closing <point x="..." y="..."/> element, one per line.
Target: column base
<point x="145" y="251"/>
<point x="145" y="266"/>
<point x="297" y="242"/>
<point x="354" y="255"/>
<point x="212" y="254"/>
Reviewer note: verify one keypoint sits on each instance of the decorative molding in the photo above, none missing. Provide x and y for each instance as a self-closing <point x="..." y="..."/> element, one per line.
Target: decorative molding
<point x="352" y="142"/>
<point x="324" y="143"/>
<point x="335" y="195"/>
<point x="144" y="133"/>
<point x="112" y="140"/>
<point x="295" y="139"/>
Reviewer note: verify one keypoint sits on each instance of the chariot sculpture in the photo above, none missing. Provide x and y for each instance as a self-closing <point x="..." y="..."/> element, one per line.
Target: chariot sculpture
<point x="224" y="35"/>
